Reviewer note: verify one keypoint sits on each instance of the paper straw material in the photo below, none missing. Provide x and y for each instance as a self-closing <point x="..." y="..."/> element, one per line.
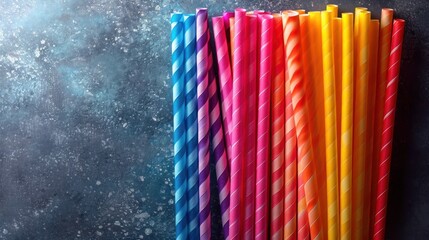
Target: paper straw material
<point x="263" y="127"/>
<point x="179" y="125"/>
<point x="388" y="123"/>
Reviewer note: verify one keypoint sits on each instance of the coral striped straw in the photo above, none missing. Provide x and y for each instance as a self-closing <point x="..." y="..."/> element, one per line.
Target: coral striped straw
<point x="249" y="212"/>
<point x="191" y="125"/>
<point x="237" y="158"/>
<point x="385" y="37"/>
<point x="277" y="131"/>
<point x="225" y="76"/>
<point x="203" y="122"/>
<point x="359" y="122"/>
<point x="306" y="165"/>
<point x="388" y="124"/>
<point x="346" y="127"/>
<point x="290" y="202"/>
<point x="303" y="229"/>
<point x="179" y="125"/>
<point x="263" y="127"/>
<point x="219" y="148"/>
<point x="330" y="124"/>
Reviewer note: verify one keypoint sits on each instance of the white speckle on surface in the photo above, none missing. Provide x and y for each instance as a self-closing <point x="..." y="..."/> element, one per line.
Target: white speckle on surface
<point x="148" y="231"/>
<point x="141" y="178"/>
<point x="98" y="183"/>
<point x="117" y="223"/>
<point x="37" y="52"/>
<point x="43" y="41"/>
<point x="171" y="201"/>
<point x="5" y="231"/>
<point x="99" y="233"/>
<point x="124" y="125"/>
<point x="157" y="8"/>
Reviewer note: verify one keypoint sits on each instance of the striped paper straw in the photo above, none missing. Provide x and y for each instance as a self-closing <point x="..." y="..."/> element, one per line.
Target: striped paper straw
<point x="346" y="127"/>
<point x="263" y="127"/>
<point x="203" y="122"/>
<point x="318" y="119"/>
<point x="225" y="76"/>
<point x="277" y="131"/>
<point x="249" y="213"/>
<point x="330" y="124"/>
<point x="290" y="203"/>
<point x="237" y="158"/>
<point x="179" y="125"/>
<point x="191" y="125"/>
<point x="303" y="228"/>
<point x="359" y="120"/>
<point x="385" y="37"/>
<point x="306" y="166"/>
<point x="388" y="124"/>
<point x="372" y="81"/>
<point x="232" y="36"/>
<point x="227" y="24"/>
<point x="337" y="34"/>
<point x="219" y="148"/>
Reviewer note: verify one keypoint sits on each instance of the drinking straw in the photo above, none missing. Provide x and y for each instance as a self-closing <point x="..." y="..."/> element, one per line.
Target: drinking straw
<point x="303" y="227"/>
<point x="231" y="43"/>
<point x="359" y="122"/>
<point x="330" y="124"/>
<point x="300" y="11"/>
<point x="388" y="123"/>
<point x="179" y="125"/>
<point x="225" y="77"/>
<point x="219" y="148"/>
<point x="385" y="37"/>
<point x="346" y="127"/>
<point x="249" y="214"/>
<point x="337" y="33"/>
<point x="203" y="122"/>
<point x="191" y="124"/>
<point x="263" y="142"/>
<point x="227" y="25"/>
<point x="318" y="131"/>
<point x="306" y="166"/>
<point x="334" y="9"/>
<point x="290" y="203"/>
<point x="237" y="158"/>
<point x="372" y="81"/>
<point x="277" y="130"/>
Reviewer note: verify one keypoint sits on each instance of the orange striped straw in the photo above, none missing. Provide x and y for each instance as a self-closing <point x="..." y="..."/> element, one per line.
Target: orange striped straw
<point x="290" y="210"/>
<point x="303" y="228"/>
<point x="360" y="121"/>
<point x="384" y="43"/>
<point x="372" y="81"/>
<point x="330" y="124"/>
<point x="306" y="166"/>
<point x="318" y="133"/>
<point x="277" y="131"/>
<point x="346" y="127"/>
<point x="338" y="61"/>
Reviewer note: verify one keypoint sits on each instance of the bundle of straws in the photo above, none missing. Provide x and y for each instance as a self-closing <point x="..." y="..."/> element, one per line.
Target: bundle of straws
<point x="296" y="110"/>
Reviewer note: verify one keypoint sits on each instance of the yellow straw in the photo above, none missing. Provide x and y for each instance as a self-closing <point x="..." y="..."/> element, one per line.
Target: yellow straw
<point x="346" y="127"/>
<point x="360" y="121"/>
<point x="333" y="8"/>
<point x="318" y="135"/>
<point x="330" y="124"/>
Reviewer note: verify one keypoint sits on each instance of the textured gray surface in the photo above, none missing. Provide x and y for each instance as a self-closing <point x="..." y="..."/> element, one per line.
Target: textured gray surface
<point x="85" y="118"/>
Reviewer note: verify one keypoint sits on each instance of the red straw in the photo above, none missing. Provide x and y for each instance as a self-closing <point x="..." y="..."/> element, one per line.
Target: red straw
<point x="388" y="123"/>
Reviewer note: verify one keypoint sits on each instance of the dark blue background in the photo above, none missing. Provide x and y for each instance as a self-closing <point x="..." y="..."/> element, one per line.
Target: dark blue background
<point x="85" y="118"/>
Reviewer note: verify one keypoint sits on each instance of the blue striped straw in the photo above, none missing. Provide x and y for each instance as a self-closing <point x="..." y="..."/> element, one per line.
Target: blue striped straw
<point x="179" y="135"/>
<point x="191" y="125"/>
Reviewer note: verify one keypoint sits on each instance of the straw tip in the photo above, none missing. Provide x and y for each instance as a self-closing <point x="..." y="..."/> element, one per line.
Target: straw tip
<point x="290" y="13"/>
<point x="176" y="16"/>
<point x="240" y="10"/>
